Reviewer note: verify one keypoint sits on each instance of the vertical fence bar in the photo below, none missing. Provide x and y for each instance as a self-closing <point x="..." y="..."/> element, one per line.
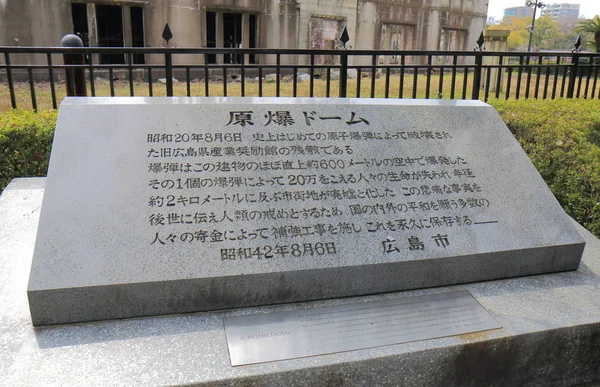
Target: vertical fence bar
<point x="328" y="82"/>
<point x="91" y="74"/>
<point x="243" y="75"/>
<point x="169" y="73"/>
<point x="401" y="81"/>
<point x="225" y="81"/>
<point x="32" y="88"/>
<point x="573" y="75"/>
<point x="373" y="74"/>
<point x="187" y="82"/>
<point x="130" y="71"/>
<point x="428" y="84"/>
<point x="278" y="75"/>
<point x="150" y="91"/>
<point x="564" y="81"/>
<point x="587" y="81"/>
<point x="415" y="82"/>
<point x="344" y="74"/>
<point x="508" y="82"/>
<point x="518" y="91"/>
<point x="441" y="83"/>
<point x="546" y="82"/>
<point x="260" y="79"/>
<point x="453" y="82"/>
<point x="111" y="82"/>
<point x="465" y="82"/>
<point x="477" y="75"/>
<point x="556" y="73"/>
<point x="499" y="74"/>
<point x="312" y="76"/>
<point x="488" y="79"/>
<point x="11" y="86"/>
<point x="358" y="80"/>
<point x="595" y="82"/>
<point x="387" y="82"/>
<point x="51" y="75"/>
<point x="538" y="76"/>
<point x="206" y="76"/>
<point x="579" y="80"/>
<point x="295" y="83"/>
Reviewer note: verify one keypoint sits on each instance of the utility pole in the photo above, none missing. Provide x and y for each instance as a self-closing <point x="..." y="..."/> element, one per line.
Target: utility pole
<point x="535" y="5"/>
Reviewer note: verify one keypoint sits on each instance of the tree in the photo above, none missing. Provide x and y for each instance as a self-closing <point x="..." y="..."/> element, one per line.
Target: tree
<point x="517" y="40"/>
<point x="546" y="32"/>
<point x="591" y="26"/>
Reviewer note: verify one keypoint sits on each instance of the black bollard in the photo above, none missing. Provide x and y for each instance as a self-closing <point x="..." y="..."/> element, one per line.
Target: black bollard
<point x="75" y="76"/>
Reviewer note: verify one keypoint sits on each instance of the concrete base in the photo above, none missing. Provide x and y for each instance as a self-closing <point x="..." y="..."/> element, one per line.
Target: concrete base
<point x="551" y="334"/>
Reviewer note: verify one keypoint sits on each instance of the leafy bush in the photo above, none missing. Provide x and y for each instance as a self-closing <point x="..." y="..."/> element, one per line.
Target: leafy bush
<point x="562" y="139"/>
<point x="25" y="142"/>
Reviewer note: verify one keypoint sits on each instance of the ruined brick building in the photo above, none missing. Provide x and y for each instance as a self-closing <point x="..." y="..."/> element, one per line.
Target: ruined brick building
<point x="371" y="24"/>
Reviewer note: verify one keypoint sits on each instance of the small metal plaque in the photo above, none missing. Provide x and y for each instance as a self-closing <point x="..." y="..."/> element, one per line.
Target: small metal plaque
<point x="318" y="331"/>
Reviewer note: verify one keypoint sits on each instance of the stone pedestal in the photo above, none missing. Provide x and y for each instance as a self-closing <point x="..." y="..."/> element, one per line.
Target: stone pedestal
<point x="551" y="334"/>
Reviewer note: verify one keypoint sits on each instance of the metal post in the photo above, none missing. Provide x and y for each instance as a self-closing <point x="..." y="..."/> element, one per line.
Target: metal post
<point x="477" y="74"/>
<point x="169" y="74"/>
<point x="75" y="76"/>
<point x="343" y="73"/>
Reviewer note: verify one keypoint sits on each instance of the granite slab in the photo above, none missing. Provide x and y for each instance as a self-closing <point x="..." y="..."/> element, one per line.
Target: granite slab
<point x="173" y="205"/>
<point x="551" y="334"/>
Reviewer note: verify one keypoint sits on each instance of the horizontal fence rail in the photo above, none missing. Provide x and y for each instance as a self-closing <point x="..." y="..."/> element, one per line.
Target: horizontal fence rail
<point x="295" y="73"/>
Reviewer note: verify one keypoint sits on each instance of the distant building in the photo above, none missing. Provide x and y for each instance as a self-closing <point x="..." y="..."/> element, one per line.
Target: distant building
<point x="311" y="24"/>
<point x="561" y="12"/>
<point x="518" y="12"/>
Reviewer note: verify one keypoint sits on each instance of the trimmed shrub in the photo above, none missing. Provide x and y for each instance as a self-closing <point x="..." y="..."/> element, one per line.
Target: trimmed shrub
<point x="562" y="139"/>
<point x="25" y="143"/>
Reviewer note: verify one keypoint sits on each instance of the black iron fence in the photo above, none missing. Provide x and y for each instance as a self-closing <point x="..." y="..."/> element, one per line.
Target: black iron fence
<point x="309" y="73"/>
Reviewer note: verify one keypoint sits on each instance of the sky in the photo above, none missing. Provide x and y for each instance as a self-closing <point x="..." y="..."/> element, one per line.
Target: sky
<point x="588" y="8"/>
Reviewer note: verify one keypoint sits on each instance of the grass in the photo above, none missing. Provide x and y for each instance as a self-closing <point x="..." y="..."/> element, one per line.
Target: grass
<point x="439" y="87"/>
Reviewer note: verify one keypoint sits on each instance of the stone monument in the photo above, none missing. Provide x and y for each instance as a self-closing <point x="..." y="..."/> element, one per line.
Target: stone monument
<point x="172" y="205"/>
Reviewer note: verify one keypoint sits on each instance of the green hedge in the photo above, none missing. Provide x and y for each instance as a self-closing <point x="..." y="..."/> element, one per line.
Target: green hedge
<point x="25" y="142"/>
<point x="561" y="137"/>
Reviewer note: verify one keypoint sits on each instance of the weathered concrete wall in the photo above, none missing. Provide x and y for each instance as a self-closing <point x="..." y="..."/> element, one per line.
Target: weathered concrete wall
<point x="342" y="10"/>
<point x="33" y="23"/>
<point x="428" y="18"/>
<point x="279" y="28"/>
<point x="281" y="23"/>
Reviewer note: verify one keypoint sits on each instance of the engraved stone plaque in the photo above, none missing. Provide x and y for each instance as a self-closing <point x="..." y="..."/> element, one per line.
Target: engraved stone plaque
<point x="171" y="205"/>
<point x="287" y="335"/>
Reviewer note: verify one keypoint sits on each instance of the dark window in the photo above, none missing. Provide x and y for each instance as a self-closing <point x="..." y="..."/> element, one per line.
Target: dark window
<point x="137" y="32"/>
<point x="80" y="22"/>
<point x="110" y="31"/>
<point x="211" y="35"/>
<point x="232" y="35"/>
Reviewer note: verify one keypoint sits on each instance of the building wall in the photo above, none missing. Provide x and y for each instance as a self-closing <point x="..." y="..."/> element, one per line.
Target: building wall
<point x="33" y="23"/>
<point x="371" y="24"/>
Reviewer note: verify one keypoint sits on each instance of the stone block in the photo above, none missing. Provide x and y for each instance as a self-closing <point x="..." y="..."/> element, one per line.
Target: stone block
<point x="172" y="205"/>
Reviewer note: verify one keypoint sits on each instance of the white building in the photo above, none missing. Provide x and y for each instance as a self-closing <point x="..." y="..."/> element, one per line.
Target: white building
<point x="561" y="12"/>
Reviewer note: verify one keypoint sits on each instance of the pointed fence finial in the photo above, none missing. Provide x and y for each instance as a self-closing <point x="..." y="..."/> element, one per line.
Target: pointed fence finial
<point x="577" y="44"/>
<point x="480" y="42"/>
<point x="167" y="34"/>
<point x="344" y="39"/>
